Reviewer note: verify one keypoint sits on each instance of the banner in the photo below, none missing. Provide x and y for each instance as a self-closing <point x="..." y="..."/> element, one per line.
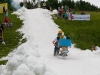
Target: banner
<point x="80" y="17"/>
<point x="1" y="9"/>
<point x="2" y="5"/>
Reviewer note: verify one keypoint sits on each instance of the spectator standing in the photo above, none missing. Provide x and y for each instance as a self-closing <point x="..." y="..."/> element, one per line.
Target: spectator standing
<point x="44" y="5"/>
<point x="73" y="12"/>
<point x="60" y="12"/>
<point x="1" y="31"/>
<point x="83" y="13"/>
<point x="94" y="48"/>
<point x="1" y="36"/>
<point x="4" y="9"/>
<point x="6" y="20"/>
<point x="10" y="24"/>
<point x="2" y="27"/>
<point x="6" y="13"/>
<point x="66" y="14"/>
<point x="50" y="8"/>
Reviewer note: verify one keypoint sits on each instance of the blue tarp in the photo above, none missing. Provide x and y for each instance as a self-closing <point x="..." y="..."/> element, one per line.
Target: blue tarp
<point x="65" y="42"/>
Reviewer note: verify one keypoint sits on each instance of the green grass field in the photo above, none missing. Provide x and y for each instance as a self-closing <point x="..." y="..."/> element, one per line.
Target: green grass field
<point x="83" y="33"/>
<point x="11" y="37"/>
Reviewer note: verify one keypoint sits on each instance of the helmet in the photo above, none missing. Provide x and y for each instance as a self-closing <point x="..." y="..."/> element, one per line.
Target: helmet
<point x="60" y="31"/>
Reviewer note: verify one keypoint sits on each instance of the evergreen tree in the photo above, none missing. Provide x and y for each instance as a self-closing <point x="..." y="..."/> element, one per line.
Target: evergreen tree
<point x="21" y="4"/>
<point x="78" y="5"/>
<point x="33" y="0"/>
<point x="52" y="3"/>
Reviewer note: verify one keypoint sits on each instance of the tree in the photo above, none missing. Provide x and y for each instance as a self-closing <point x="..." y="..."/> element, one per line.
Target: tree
<point x="52" y="3"/>
<point x="21" y="4"/>
<point x="33" y="0"/>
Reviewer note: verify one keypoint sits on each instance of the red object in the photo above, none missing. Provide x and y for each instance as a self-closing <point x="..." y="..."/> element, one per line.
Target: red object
<point x="6" y="20"/>
<point x="72" y="17"/>
<point x="61" y="11"/>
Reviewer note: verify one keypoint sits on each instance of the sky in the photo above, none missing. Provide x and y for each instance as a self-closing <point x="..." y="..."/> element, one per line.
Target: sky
<point x="35" y="56"/>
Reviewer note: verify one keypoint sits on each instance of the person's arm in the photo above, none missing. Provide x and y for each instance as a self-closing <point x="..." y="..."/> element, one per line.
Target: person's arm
<point x="54" y="41"/>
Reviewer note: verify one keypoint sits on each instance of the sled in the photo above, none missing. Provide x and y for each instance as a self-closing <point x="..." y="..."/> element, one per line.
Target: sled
<point x="61" y="57"/>
<point x="63" y="54"/>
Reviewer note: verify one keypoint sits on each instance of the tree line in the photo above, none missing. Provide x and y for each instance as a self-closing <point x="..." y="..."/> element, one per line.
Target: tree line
<point x="76" y="5"/>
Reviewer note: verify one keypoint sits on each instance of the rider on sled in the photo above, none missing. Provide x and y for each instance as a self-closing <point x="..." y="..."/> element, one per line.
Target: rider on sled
<point x="60" y="35"/>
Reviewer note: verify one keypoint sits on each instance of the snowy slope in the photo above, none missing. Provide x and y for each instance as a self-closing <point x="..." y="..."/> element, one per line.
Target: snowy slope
<point x="35" y="57"/>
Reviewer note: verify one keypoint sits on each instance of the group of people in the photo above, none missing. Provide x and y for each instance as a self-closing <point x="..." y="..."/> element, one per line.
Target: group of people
<point x="57" y="48"/>
<point x="65" y="12"/>
<point x="5" y="23"/>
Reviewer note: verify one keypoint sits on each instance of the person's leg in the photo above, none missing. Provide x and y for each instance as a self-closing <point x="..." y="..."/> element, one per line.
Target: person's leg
<point x="0" y="38"/>
<point x="58" y="50"/>
<point x="55" y="50"/>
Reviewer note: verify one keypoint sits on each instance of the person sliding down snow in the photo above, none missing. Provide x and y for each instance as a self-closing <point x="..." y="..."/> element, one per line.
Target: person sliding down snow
<point x="56" y="42"/>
